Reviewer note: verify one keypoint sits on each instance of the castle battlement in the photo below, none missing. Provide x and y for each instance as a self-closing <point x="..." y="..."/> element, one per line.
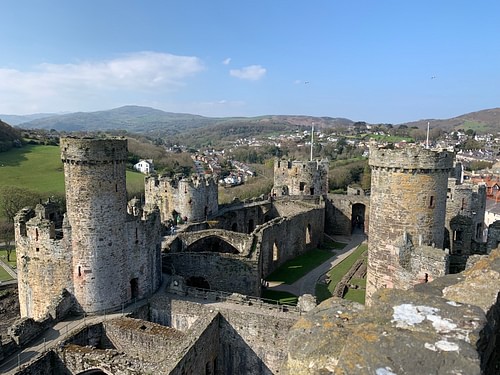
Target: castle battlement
<point x="300" y="177"/>
<point x="194" y="197"/>
<point x="93" y="151"/>
<point x="410" y="158"/>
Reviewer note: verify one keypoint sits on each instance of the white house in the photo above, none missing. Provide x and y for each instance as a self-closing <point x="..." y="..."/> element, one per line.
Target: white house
<point x="144" y="166"/>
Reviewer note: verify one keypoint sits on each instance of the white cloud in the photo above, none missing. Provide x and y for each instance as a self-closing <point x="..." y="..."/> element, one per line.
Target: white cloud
<point x="226" y="61"/>
<point x="56" y="87"/>
<point x="251" y="73"/>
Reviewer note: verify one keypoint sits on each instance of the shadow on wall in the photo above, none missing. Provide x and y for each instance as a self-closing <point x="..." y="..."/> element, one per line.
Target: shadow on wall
<point x="236" y="356"/>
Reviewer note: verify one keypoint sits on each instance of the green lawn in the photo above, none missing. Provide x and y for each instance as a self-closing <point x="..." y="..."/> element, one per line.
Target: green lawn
<point x="343" y="267"/>
<point x="36" y="168"/>
<point x="39" y="169"/>
<point x="295" y="268"/>
<point x="4" y="276"/>
<point x="356" y="295"/>
<point x="3" y="256"/>
<point x="331" y="244"/>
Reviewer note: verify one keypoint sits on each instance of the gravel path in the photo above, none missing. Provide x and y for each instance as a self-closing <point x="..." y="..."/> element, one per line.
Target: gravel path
<point x="307" y="283"/>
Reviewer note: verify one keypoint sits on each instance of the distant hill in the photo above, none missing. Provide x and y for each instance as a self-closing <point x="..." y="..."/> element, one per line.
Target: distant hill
<point x="19" y="119"/>
<point x="9" y="137"/>
<point x="199" y="130"/>
<point x="154" y="122"/>
<point x="130" y="118"/>
<point x="485" y="121"/>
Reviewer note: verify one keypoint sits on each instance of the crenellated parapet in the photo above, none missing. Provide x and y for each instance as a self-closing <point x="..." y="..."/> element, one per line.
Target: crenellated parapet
<point x="193" y="198"/>
<point x="300" y="177"/>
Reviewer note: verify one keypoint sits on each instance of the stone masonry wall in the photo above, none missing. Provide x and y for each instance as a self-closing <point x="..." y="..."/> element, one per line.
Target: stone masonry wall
<point x="300" y="177"/>
<point x="96" y="200"/>
<point x="43" y="264"/>
<point x="194" y="198"/>
<point x="468" y="201"/>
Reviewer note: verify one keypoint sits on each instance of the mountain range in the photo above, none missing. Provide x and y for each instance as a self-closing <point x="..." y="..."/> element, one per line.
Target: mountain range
<point x="154" y="122"/>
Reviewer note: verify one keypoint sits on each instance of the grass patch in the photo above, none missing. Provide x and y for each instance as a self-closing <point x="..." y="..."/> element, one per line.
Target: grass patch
<point x="295" y="268"/>
<point x="337" y="272"/>
<point x="359" y="282"/>
<point x="356" y="295"/>
<point x="36" y="168"/>
<point x="39" y="169"/>
<point x="279" y="296"/>
<point x="4" y="275"/>
<point x="3" y="256"/>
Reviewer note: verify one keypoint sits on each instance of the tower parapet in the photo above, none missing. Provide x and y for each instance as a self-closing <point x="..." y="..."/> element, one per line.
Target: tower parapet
<point x="193" y="198"/>
<point x="300" y="177"/>
<point x="408" y="201"/>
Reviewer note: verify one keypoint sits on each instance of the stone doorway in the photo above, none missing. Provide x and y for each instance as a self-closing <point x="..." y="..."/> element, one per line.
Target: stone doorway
<point x="358" y="218"/>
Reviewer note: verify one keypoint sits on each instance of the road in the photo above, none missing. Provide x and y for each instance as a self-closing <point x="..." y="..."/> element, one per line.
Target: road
<point x="307" y="283"/>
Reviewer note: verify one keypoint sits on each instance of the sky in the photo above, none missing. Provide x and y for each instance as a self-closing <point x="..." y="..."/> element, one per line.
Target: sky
<point x="379" y="61"/>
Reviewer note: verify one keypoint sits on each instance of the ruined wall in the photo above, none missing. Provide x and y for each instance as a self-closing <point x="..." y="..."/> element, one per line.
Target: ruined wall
<point x="464" y="201"/>
<point x="408" y="200"/>
<point x="43" y="263"/>
<point x="341" y="212"/>
<point x="244" y="218"/>
<point x="300" y="177"/>
<point x="249" y="341"/>
<point x="143" y="255"/>
<point x="225" y="272"/>
<point x="285" y="238"/>
<point x="194" y="198"/>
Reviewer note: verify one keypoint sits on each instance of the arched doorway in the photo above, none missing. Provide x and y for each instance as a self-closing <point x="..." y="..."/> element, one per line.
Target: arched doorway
<point x="358" y="218"/>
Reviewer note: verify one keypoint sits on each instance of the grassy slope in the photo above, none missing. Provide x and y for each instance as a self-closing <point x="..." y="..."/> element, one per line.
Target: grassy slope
<point x="39" y="168"/>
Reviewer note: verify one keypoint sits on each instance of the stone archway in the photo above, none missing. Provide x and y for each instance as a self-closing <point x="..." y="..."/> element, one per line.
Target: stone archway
<point x="95" y="371"/>
<point x="358" y="218"/>
<point x="198" y="282"/>
<point x="212" y="244"/>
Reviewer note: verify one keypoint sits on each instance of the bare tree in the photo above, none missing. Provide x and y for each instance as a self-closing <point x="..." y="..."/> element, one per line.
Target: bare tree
<point x="7" y="236"/>
<point x="13" y="198"/>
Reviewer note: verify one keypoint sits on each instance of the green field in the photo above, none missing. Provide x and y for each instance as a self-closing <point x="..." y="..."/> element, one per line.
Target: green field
<point x="3" y="256"/>
<point x="39" y="168"/>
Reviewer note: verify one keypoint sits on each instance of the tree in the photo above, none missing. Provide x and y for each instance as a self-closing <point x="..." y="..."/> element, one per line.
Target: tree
<point x="7" y="236"/>
<point x="13" y="198"/>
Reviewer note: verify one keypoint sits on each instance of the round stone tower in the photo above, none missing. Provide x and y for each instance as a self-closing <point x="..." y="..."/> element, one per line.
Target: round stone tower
<point x="96" y="201"/>
<point x="407" y="209"/>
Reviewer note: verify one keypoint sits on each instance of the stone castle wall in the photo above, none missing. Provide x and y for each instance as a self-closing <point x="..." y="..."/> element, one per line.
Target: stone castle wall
<point x="408" y="202"/>
<point x="300" y="177"/>
<point x="43" y="263"/>
<point x="194" y="198"/>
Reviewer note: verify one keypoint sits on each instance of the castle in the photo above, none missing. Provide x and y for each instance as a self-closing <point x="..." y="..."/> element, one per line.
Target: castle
<point x="104" y="253"/>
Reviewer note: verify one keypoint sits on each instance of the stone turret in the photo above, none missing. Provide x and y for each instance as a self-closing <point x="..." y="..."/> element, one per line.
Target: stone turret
<point x="300" y="177"/>
<point x="407" y="210"/>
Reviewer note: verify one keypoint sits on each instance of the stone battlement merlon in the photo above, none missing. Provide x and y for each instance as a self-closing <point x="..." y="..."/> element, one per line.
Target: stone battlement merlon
<point x="411" y="158"/>
<point x="93" y="151"/>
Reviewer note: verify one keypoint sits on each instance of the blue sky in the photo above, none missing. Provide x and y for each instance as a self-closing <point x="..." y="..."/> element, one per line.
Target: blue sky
<point x="387" y="61"/>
